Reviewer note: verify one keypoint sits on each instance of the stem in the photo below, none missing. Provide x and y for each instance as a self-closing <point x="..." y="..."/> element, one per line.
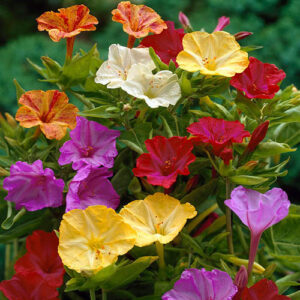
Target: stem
<point x="82" y="99"/>
<point x="70" y="46"/>
<point x="92" y="294"/>
<point x="228" y="219"/>
<point x="130" y="42"/>
<point x="253" y="250"/>
<point x="160" y="253"/>
<point x="242" y="238"/>
<point x="7" y="261"/>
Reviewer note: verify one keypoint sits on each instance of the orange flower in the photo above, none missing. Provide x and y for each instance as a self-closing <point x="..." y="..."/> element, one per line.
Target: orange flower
<point x="138" y="20"/>
<point x="50" y="110"/>
<point x="67" y="23"/>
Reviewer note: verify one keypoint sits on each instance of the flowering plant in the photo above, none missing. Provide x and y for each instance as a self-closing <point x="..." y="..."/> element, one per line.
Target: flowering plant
<point x="161" y="184"/>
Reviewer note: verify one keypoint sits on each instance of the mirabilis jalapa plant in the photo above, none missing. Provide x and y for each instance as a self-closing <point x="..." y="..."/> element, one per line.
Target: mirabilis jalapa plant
<point x="161" y="187"/>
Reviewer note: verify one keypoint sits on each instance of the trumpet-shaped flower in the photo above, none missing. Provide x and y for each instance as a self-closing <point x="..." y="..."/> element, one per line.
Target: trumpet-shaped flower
<point x="160" y="89"/>
<point x="220" y="134"/>
<point x="259" y="80"/>
<point x="222" y="23"/>
<point x="138" y="20"/>
<point x="67" y="23"/>
<point x="197" y="284"/>
<point x="157" y="218"/>
<point x="90" y="186"/>
<point x="42" y="258"/>
<point x="50" y="110"/>
<point x="92" y="239"/>
<point x="217" y="53"/>
<point x="167" y="44"/>
<point x="167" y="158"/>
<point x="32" y="187"/>
<point x="91" y="144"/>
<point x="114" y="71"/>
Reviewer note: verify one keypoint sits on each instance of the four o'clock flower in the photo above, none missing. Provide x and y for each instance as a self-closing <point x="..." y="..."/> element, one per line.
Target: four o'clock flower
<point x="160" y="89"/>
<point x="90" y="186"/>
<point x="197" y="284"/>
<point x="222" y="23"/>
<point x="258" y="212"/>
<point x="91" y="144"/>
<point x="259" y="80"/>
<point x="114" y="71"/>
<point x="32" y="187"/>
<point x="167" y="158"/>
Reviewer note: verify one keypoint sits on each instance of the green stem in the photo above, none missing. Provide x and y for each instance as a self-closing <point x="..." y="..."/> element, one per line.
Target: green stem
<point x="82" y="99"/>
<point x="228" y="219"/>
<point x="104" y="295"/>
<point x="92" y="294"/>
<point x="7" y="260"/>
<point x="160" y="253"/>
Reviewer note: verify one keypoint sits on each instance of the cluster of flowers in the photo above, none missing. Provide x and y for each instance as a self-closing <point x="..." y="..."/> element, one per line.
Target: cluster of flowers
<point x="92" y="235"/>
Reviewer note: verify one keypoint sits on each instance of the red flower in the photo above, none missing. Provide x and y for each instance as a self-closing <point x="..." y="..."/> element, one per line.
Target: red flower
<point x="264" y="289"/>
<point x="30" y="287"/>
<point x="167" y="44"/>
<point x="257" y="136"/>
<point x="42" y="258"/>
<point x="220" y="134"/>
<point x="166" y="159"/>
<point x="259" y="80"/>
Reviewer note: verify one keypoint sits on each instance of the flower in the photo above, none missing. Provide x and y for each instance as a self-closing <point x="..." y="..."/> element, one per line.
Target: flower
<point x="32" y="187"/>
<point x="160" y="89"/>
<point x="167" y="158"/>
<point x="92" y="239"/>
<point x="29" y="287"/>
<point x="217" y="53"/>
<point x="67" y="23"/>
<point x="157" y="218"/>
<point x="184" y="20"/>
<point x="167" y="44"/>
<point x="42" y="258"/>
<point x="50" y="110"/>
<point x="222" y="23"/>
<point x="91" y="144"/>
<point x="263" y="289"/>
<point x="257" y="136"/>
<point x="197" y="284"/>
<point x="114" y="71"/>
<point x="259" y="80"/>
<point x="90" y="186"/>
<point x="220" y="134"/>
<point x="138" y="20"/>
<point x="258" y="212"/>
<point x="242" y="34"/>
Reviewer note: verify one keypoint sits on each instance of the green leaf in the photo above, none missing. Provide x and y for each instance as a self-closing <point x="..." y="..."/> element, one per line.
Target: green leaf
<point x="288" y="116"/>
<point x="158" y="63"/>
<point x="247" y="179"/>
<point x="247" y="106"/>
<point x="295" y="296"/>
<point x="12" y="219"/>
<point x="101" y="112"/>
<point x="121" y="180"/>
<point x="19" y="90"/>
<point x="250" y="48"/>
<point x="287" y="281"/>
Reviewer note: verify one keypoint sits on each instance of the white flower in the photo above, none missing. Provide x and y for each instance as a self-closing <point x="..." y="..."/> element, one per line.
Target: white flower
<point x="114" y="71"/>
<point x="160" y="89"/>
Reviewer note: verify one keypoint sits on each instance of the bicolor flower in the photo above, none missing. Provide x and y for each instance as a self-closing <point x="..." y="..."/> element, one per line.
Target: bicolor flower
<point x="220" y="134"/>
<point x="167" y="158"/>
<point x="32" y="187"/>
<point x="217" y="53"/>
<point x="167" y="44"/>
<point x="197" y="284"/>
<point x="91" y="144"/>
<point x="50" y="110"/>
<point x="42" y="258"/>
<point x="114" y="71"/>
<point x="157" y="218"/>
<point x="258" y="212"/>
<point x="160" y="89"/>
<point x="259" y="80"/>
<point x="91" y="186"/>
<point x="92" y="239"/>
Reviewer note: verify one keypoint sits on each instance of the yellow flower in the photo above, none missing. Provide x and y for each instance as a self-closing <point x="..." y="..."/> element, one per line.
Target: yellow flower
<point x="157" y="218"/>
<point x="92" y="239"/>
<point x="217" y="53"/>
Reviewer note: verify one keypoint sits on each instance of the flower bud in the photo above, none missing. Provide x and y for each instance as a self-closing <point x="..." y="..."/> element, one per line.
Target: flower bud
<point x="257" y="136"/>
<point x="222" y="23"/>
<point x="241" y="278"/>
<point x="11" y="120"/>
<point x="242" y="34"/>
<point x="184" y="20"/>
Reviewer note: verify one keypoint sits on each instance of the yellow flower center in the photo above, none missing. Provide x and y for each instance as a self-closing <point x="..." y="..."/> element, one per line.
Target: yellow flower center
<point x="210" y="63"/>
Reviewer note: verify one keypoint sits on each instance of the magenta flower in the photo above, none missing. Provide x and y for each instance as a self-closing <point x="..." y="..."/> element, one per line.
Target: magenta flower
<point x="197" y="284"/>
<point x="258" y="212"/>
<point x="90" y="186"/>
<point x="32" y="187"/>
<point x="91" y="144"/>
<point x="222" y="23"/>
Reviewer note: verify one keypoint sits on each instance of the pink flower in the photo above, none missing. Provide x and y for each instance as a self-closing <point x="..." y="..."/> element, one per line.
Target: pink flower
<point x="222" y="23"/>
<point x="32" y="187"/>
<point x="258" y="212"/>
<point x="91" y="144"/>
<point x="184" y="20"/>
<point x="167" y="158"/>
<point x="90" y="186"/>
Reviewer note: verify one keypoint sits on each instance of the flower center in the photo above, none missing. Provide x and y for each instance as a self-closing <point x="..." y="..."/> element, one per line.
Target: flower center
<point x="210" y="63"/>
<point x="87" y="151"/>
<point x="168" y="166"/>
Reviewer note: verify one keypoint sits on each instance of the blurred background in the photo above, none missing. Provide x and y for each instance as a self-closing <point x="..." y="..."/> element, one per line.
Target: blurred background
<point x="275" y="24"/>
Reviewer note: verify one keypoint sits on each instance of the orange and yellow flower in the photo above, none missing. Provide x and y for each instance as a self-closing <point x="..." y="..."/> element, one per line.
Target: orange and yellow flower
<point x="50" y="110"/>
<point x="67" y="23"/>
<point x="217" y="53"/>
<point x="138" y="20"/>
